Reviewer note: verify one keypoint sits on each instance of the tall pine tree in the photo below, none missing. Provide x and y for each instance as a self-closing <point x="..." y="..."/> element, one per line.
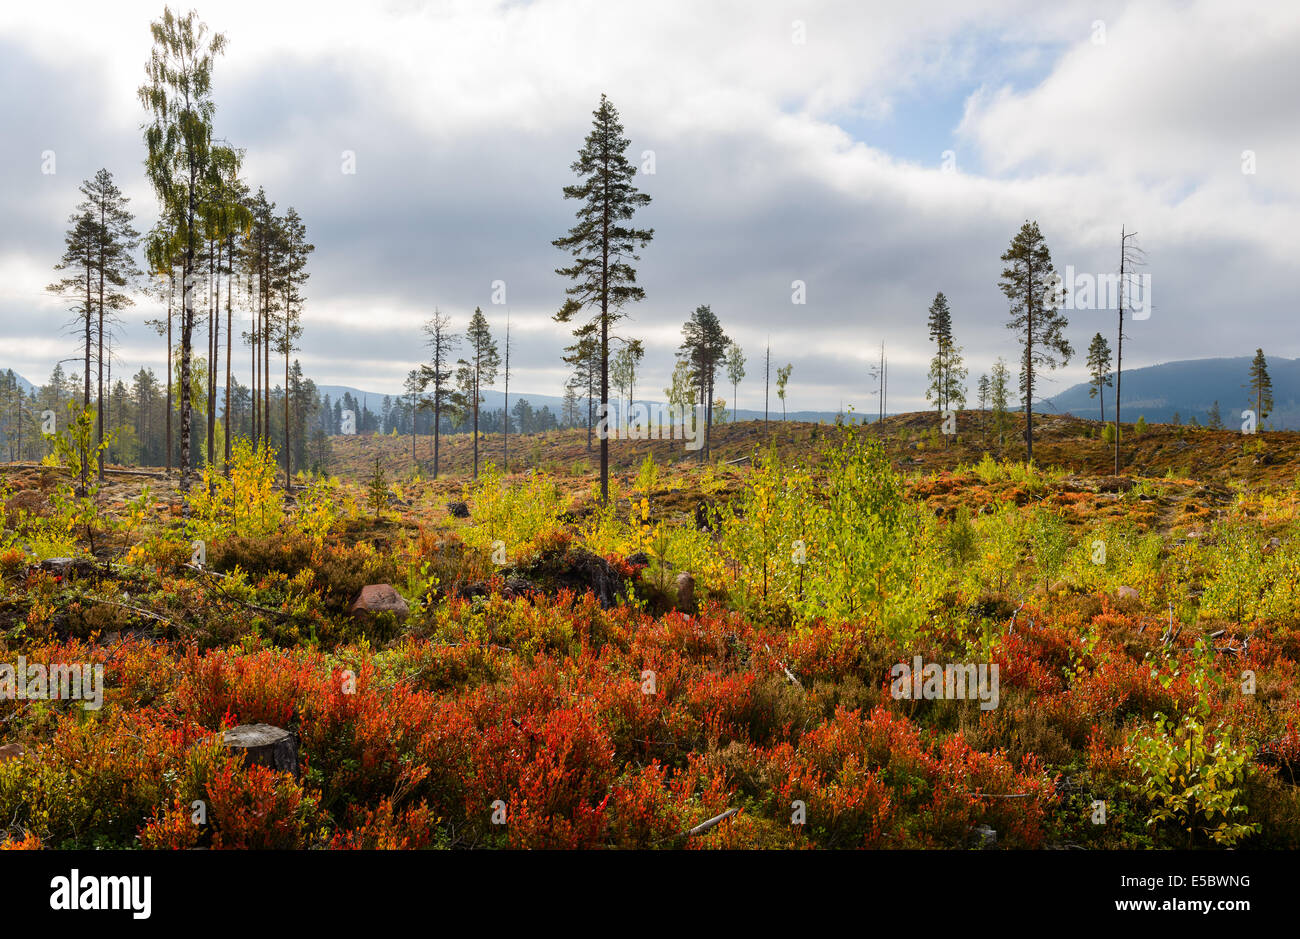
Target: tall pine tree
<point x="77" y="285"/>
<point x="115" y="269"/>
<point x="1029" y="283"/>
<point x="293" y="274"/>
<point x="437" y="374"/>
<point x="603" y="244"/>
<point x="178" y="96"/>
<point x="704" y="345"/>
<point x="1099" y="371"/>
<point x="479" y="370"/>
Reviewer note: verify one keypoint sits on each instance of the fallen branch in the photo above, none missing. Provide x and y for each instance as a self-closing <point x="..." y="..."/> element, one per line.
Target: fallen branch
<point x="705" y="826"/>
<point x="788" y="674"/>
<point x="1012" y="625"/>
<point x="244" y="603"/>
<point x="16" y="467"/>
<point x="123" y="606"/>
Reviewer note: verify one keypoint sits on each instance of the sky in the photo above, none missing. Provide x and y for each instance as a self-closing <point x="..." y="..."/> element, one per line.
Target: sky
<point x="876" y="152"/>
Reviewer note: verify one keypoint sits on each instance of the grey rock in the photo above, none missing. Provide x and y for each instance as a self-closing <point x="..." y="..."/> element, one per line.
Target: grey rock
<point x="379" y="598"/>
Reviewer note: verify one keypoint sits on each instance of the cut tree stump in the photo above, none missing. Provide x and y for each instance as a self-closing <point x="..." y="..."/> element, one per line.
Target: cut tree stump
<point x="264" y="745"/>
<point x="684" y="586"/>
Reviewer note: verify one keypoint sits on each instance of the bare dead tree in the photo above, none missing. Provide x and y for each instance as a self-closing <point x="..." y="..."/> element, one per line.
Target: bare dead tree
<point x="1130" y="256"/>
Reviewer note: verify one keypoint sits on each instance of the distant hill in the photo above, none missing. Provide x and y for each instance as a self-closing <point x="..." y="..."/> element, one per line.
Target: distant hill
<point x="493" y="400"/>
<point x="23" y="383"/>
<point x="374" y="400"/>
<point x="1189" y="388"/>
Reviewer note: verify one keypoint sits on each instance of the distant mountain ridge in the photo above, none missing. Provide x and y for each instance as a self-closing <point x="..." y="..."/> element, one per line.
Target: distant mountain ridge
<point x="493" y="400"/>
<point x="23" y="383"/>
<point x="1186" y="388"/>
<point x="1189" y="388"/>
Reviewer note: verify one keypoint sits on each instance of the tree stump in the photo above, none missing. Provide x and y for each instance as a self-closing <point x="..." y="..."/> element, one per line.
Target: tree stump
<point x="264" y="745"/>
<point x="684" y="584"/>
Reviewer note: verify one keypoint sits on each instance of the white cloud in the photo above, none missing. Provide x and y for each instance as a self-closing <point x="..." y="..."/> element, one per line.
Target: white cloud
<point x="465" y="115"/>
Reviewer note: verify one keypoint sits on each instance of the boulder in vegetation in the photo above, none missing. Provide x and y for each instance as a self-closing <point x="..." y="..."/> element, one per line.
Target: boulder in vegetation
<point x="379" y="598"/>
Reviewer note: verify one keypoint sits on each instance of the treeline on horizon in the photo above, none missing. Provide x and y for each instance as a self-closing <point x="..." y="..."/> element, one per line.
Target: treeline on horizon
<point x="136" y="428"/>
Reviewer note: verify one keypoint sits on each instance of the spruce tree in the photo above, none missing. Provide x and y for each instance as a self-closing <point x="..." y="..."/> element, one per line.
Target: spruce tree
<point x="1262" y="387"/>
<point x="940" y="326"/>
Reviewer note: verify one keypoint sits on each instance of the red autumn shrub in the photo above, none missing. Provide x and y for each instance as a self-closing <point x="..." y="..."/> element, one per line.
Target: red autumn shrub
<point x="254" y="807"/>
<point x="384" y="828"/>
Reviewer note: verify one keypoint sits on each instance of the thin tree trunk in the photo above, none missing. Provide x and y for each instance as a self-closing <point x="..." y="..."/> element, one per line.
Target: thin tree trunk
<point x="708" y="420"/>
<point x="254" y="348"/>
<point x="1119" y="349"/>
<point x="1029" y="360"/>
<point x="171" y="292"/>
<point x="214" y="341"/>
<point x="288" y="343"/>
<point x="99" y="433"/>
<point x="187" y="335"/>
<point x="288" y="453"/>
<point x="604" y="341"/>
<point x="229" y="349"/>
<point x="767" y="384"/>
<point x="108" y="411"/>
<point x="505" y="424"/>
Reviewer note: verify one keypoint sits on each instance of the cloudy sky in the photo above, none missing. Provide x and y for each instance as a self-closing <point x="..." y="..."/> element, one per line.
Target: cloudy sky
<point x="878" y="152"/>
